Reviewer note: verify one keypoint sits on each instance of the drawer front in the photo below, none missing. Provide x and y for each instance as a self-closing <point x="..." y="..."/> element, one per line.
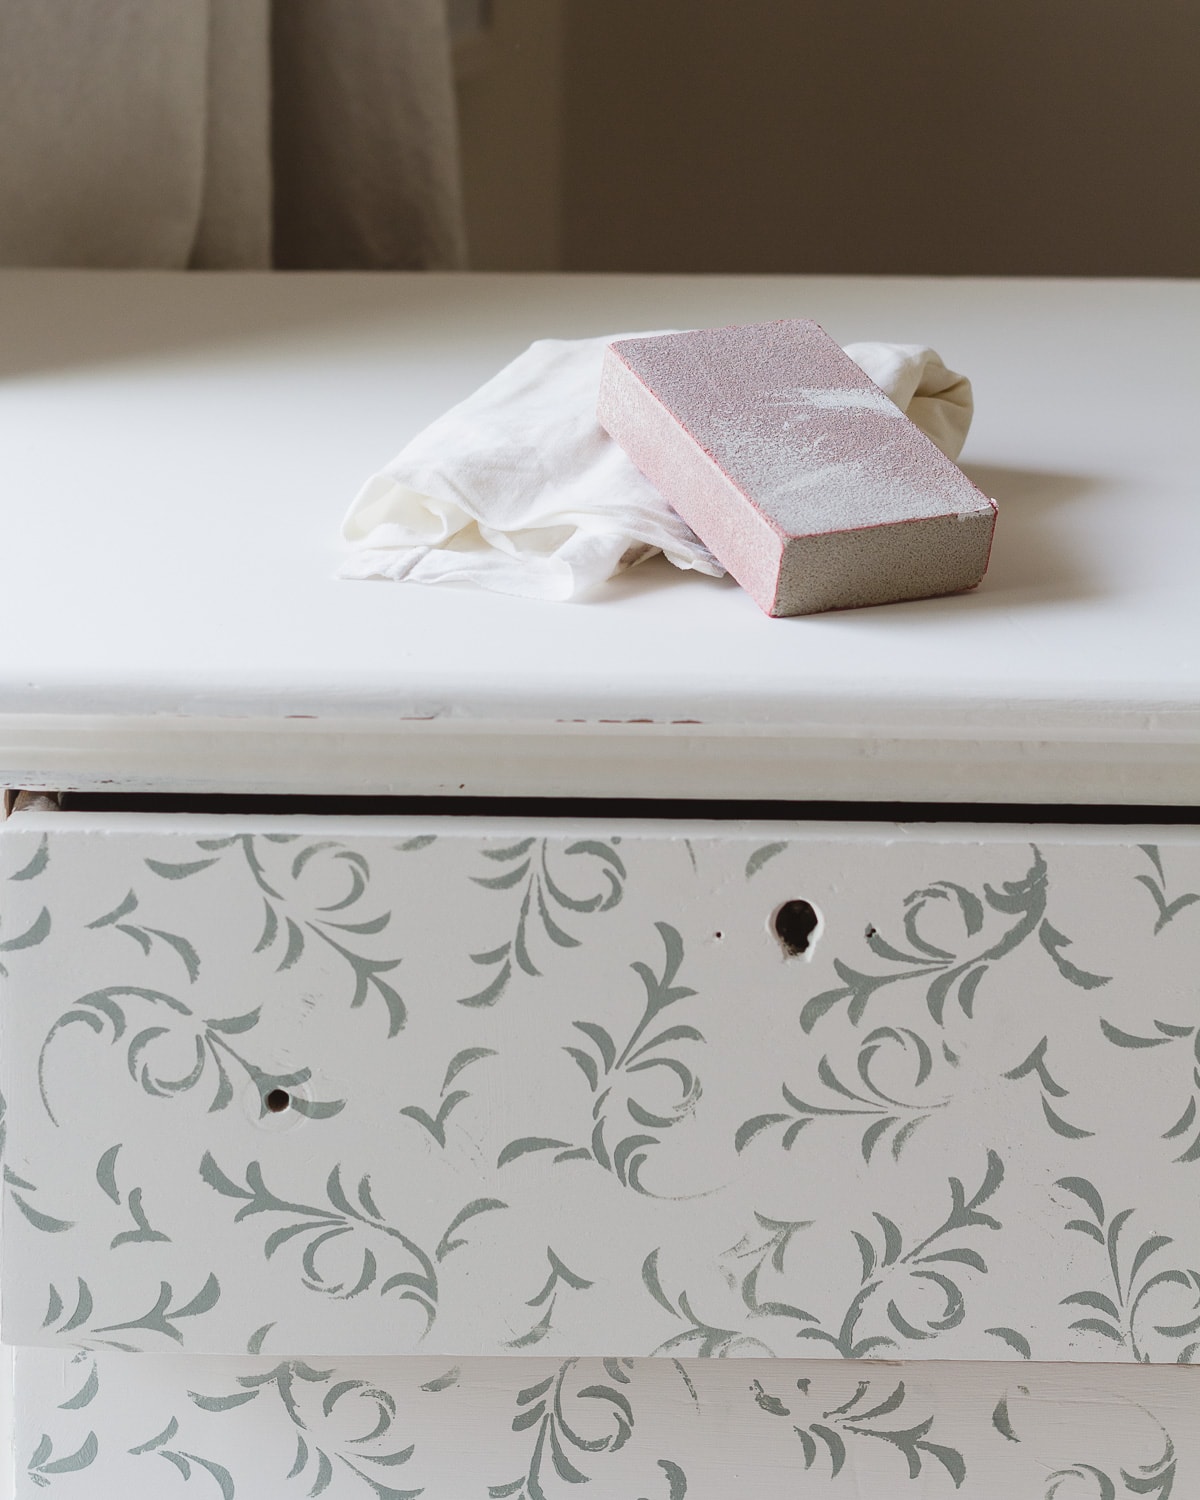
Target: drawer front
<point x="534" y="1429"/>
<point x="563" y="1089"/>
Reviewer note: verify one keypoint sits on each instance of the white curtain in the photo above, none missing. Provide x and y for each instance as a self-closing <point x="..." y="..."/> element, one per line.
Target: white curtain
<point x="225" y="133"/>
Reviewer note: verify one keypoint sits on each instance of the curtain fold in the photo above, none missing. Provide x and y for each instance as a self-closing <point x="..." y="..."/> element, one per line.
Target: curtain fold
<point x="233" y="226"/>
<point x="365" y="144"/>
<point x="228" y="133"/>
<point x="101" y="139"/>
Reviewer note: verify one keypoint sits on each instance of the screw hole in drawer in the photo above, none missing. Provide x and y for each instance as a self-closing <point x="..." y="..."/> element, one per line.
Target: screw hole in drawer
<point x="277" y="1101"/>
<point x="796" y="924"/>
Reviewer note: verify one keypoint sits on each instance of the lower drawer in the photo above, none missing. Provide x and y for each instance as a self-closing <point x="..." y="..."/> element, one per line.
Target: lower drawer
<point x="110" y="1425"/>
<point x="327" y="1087"/>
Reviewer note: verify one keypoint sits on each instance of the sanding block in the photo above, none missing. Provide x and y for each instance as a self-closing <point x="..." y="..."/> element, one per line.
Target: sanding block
<point x="805" y="481"/>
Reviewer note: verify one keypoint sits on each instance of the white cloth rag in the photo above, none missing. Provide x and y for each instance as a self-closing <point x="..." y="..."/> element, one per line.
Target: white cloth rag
<point x="520" y="490"/>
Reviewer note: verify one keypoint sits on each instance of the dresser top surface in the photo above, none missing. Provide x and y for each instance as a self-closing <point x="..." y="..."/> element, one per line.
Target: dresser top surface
<point x="177" y="451"/>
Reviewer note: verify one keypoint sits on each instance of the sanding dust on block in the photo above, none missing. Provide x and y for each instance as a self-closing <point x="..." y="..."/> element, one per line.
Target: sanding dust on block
<point x="805" y="481"/>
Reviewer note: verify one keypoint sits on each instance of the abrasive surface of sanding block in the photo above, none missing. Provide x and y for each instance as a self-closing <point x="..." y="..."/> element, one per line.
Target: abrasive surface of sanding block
<point x="805" y="481"/>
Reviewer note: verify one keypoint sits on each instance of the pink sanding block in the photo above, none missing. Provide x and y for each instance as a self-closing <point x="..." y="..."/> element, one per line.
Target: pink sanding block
<point x="802" y="478"/>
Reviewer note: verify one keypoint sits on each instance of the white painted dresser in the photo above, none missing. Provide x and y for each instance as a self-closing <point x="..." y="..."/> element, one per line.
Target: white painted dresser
<point x="478" y="1048"/>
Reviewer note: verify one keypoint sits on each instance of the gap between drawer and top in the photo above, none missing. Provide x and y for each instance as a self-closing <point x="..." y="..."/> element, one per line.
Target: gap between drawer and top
<point x="951" y="818"/>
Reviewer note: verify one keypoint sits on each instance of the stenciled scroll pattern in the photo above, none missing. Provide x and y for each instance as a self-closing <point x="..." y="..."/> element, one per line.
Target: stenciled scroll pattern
<point x="543" y="1429"/>
<point x="883" y="1036"/>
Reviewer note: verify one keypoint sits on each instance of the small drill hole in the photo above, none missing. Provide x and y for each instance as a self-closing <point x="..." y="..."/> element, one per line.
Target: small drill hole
<point x="795" y="922"/>
<point x="278" y="1100"/>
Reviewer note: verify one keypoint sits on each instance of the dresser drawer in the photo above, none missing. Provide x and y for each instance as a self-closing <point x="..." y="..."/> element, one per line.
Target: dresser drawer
<point x="108" y="1425"/>
<point x="360" y="1086"/>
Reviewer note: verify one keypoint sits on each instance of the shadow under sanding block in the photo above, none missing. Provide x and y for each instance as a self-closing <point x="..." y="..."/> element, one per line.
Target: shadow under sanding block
<point x="803" y="479"/>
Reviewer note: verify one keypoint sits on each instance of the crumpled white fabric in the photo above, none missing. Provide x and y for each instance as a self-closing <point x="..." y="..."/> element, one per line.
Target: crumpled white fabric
<point x="518" y="488"/>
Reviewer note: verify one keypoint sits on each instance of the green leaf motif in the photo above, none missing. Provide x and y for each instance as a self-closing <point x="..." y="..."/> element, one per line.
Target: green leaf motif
<point x="525" y="1145"/>
<point x="36" y="933"/>
<point x="560" y="1276"/>
<point x="156" y="1447"/>
<point x="143" y="1232"/>
<point x="310" y="1398"/>
<point x="888" y="1118"/>
<point x="765" y="1246"/>
<point x="1054" y="942"/>
<point x="544" y="899"/>
<point x="86" y="1393"/>
<point x="699" y="1338"/>
<point x="954" y="975"/>
<point x="1105" y="1488"/>
<point x="106" y="1176"/>
<point x="761" y="856"/>
<point x="559" y="1273"/>
<point x="462" y="1060"/>
<point x="855" y="1421"/>
<point x="108" y="1009"/>
<point x="435" y="1124"/>
<point x="768" y="1403"/>
<point x="315" y="1227"/>
<point x="1168" y="909"/>
<point x="220" y="1475"/>
<point x="366" y="973"/>
<point x="151" y="1445"/>
<point x="1035" y="1065"/>
<point x="167" y="870"/>
<point x="294" y="911"/>
<point x="920" y="1266"/>
<point x="56" y="1307"/>
<point x="612" y="1077"/>
<point x="222" y="1403"/>
<point x="161" y="1318"/>
<point x="41" y="1463"/>
<point x="676" y="1479"/>
<point x="1156" y="1478"/>
<point x="37" y="862"/>
<point x="43" y="1222"/>
<point x="1013" y="1339"/>
<point x="1132" y="1281"/>
<point x="477" y="1206"/>
<point x="106" y="1173"/>
<point x="554" y="1413"/>
<point x="1168" y="1033"/>
<point x="1121" y="1038"/>
<point x="258" y="1338"/>
<point x="144" y="936"/>
<point x="834" y="1443"/>
<point x="1002" y="1422"/>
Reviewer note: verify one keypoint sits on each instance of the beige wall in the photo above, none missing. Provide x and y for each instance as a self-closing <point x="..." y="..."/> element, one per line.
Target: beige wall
<point x="971" y="136"/>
